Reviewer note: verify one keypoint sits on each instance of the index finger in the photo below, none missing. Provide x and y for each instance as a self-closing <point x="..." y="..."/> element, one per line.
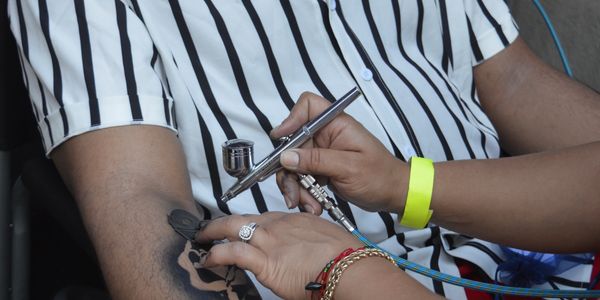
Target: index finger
<point x="308" y="107"/>
<point x="228" y="227"/>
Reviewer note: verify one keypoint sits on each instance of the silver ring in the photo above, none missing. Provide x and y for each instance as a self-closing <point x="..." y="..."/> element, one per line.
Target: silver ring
<point x="247" y="231"/>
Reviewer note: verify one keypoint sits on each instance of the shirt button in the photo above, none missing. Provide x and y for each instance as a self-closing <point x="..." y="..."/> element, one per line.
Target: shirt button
<point x="332" y="5"/>
<point x="366" y="74"/>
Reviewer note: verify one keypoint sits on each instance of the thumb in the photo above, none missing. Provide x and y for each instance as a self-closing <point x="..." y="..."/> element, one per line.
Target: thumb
<point x="318" y="161"/>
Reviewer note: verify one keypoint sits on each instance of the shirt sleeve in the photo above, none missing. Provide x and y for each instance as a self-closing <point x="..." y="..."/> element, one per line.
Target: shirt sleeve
<point x="88" y="65"/>
<point x="491" y="27"/>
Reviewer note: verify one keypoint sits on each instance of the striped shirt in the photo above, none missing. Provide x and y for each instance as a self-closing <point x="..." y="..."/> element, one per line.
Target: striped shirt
<point x="217" y="70"/>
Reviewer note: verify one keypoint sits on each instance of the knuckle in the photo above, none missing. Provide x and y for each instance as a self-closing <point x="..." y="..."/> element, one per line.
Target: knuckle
<point x="233" y="221"/>
<point x="272" y="213"/>
<point x="305" y="96"/>
<point x="314" y="157"/>
<point x="266" y="232"/>
<point x="265" y="237"/>
<point x="289" y="217"/>
<point x="238" y="250"/>
<point x="299" y="218"/>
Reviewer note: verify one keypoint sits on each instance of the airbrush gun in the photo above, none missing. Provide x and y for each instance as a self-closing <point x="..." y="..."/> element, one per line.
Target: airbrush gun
<point x="238" y="159"/>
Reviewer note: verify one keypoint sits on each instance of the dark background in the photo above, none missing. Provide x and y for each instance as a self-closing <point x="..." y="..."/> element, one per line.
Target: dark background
<point x="60" y="267"/>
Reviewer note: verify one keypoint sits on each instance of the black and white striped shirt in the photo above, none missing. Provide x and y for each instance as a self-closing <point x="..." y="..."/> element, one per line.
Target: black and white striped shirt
<point x="216" y="70"/>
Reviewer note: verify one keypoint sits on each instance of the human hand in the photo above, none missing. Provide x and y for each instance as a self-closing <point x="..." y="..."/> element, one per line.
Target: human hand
<point x="285" y="252"/>
<point x="359" y="168"/>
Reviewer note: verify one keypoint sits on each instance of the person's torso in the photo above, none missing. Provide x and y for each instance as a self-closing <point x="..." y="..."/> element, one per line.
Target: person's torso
<point x="235" y="68"/>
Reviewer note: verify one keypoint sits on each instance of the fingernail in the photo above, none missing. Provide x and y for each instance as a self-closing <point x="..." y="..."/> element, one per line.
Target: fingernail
<point x="273" y="130"/>
<point x="288" y="203"/>
<point x="203" y="259"/>
<point x="290" y="159"/>
<point x="309" y="209"/>
<point x="202" y="224"/>
<point x="290" y="193"/>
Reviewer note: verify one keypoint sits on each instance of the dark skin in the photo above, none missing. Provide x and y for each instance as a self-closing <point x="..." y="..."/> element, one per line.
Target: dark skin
<point x="127" y="179"/>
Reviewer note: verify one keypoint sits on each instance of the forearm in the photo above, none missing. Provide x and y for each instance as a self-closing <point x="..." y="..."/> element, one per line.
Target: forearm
<point x="126" y="181"/>
<point x="545" y="201"/>
<point x="533" y="106"/>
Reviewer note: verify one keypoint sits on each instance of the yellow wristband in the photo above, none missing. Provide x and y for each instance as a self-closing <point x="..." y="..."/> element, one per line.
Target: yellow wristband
<point x="420" y="188"/>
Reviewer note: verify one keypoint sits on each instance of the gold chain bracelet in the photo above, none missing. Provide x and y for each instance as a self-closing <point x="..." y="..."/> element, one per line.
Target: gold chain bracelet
<point x="342" y="265"/>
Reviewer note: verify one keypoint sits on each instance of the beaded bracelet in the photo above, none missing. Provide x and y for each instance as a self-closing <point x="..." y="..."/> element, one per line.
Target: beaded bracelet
<point x="337" y="270"/>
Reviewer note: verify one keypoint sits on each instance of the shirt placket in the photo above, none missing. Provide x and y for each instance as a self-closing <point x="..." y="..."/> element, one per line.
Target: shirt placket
<point x="363" y="73"/>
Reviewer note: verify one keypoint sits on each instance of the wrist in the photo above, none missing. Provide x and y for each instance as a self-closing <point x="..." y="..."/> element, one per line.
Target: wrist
<point x="398" y="187"/>
<point x="360" y="275"/>
<point x="417" y="207"/>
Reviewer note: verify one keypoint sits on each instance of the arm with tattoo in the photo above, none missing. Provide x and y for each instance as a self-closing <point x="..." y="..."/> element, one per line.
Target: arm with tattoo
<point x="126" y="180"/>
<point x="227" y="282"/>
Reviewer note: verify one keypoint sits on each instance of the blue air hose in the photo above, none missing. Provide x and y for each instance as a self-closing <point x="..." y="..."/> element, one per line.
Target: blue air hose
<point x="481" y="286"/>
<point x="561" y="51"/>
